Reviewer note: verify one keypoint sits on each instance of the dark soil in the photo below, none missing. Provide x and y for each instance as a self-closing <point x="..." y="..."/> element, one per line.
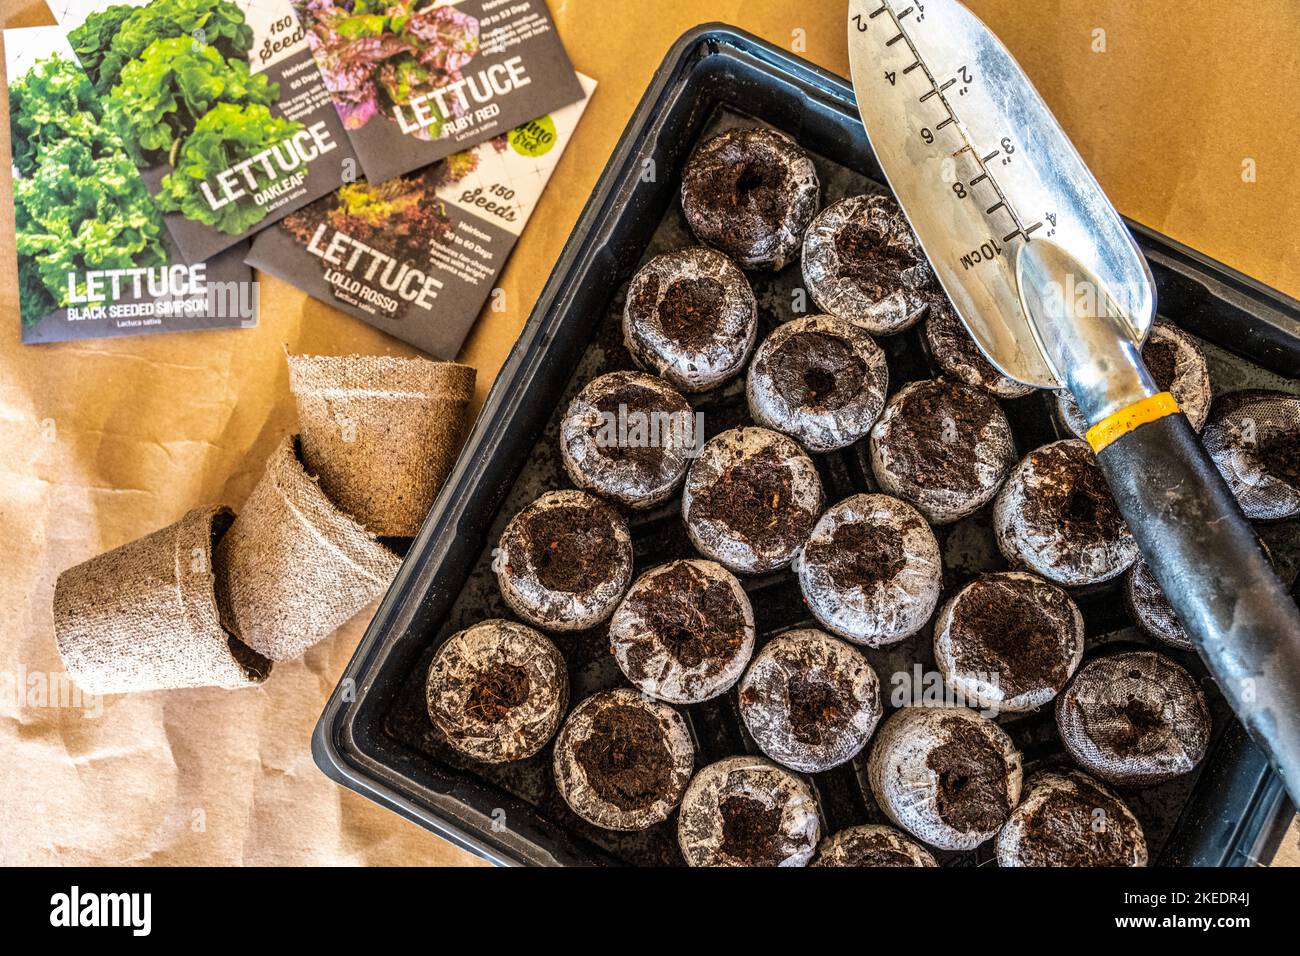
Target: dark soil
<point x="1072" y="494"/>
<point x="749" y="190"/>
<point x="860" y="555"/>
<point x="933" y="435"/>
<point x="755" y="500"/>
<point x="869" y="261"/>
<point x="860" y="850"/>
<point x="696" y="618"/>
<point x="1160" y="360"/>
<point x="572" y="549"/>
<point x="818" y="371"/>
<point x="637" y="401"/>
<point x="816" y="707"/>
<point x="690" y="313"/>
<point x="497" y="691"/>
<point x="1066" y="830"/>
<point x="972" y="795"/>
<point x="741" y="184"/>
<point x="1279" y="455"/>
<point x="1139" y="720"/>
<point x="750" y="831"/>
<point x="1007" y="630"/>
<point x="625" y="758"/>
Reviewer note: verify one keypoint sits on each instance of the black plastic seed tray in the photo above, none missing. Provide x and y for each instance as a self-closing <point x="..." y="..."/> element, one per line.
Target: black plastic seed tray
<point x="374" y="735"/>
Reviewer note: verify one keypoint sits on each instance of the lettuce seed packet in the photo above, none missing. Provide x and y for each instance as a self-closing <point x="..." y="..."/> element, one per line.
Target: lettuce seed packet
<point x="417" y="80"/>
<point x="417" y="256"/>
<point x="219" y="104"/>
<point x="94" y="256"/>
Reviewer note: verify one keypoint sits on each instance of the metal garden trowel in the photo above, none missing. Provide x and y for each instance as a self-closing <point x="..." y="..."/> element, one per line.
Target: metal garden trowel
<point x="1056" y="294"/>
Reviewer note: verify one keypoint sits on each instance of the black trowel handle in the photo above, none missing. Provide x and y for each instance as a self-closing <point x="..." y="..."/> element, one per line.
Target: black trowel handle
<point x="1217" y="578"/>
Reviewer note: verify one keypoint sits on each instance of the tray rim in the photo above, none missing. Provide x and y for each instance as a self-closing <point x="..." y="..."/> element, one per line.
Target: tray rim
<point x="333" y="744"/>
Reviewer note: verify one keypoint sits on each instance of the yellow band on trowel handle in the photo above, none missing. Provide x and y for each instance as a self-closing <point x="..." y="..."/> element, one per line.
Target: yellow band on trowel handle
<point x="1127" y="419"/>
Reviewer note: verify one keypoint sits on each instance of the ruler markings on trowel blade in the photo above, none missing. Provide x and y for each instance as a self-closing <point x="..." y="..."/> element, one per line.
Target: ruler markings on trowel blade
<point x="938" y="89"/>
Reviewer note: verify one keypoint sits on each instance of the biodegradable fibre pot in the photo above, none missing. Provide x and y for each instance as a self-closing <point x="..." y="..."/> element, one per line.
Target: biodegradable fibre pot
<point x="381" y="433"/>
<point x="622" y="761"/>
<point x="497" y="691"/>
<point x="947" y="776"/>
<point x="747" y="811"/>
<point x="144" y="616"/>
<point x="293" y="567"/>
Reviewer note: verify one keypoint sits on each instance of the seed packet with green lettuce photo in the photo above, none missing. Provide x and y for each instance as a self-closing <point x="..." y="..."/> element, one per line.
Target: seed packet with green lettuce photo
<point x="417" y="256"/>
<point x="220" y="105"/>
<point x="94" y="257"/>
<point x="417" y="80"/>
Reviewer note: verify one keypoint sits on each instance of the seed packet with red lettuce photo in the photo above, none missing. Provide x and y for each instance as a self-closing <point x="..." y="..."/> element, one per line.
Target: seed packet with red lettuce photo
<point x="94" y="257"/>
<point x="220" y="105"/>
<point x="417" y="80"/>
<point x="417" y="256"/>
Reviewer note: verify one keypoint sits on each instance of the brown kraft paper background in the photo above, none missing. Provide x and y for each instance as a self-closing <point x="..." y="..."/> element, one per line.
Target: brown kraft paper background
<point x="104" y="441"/>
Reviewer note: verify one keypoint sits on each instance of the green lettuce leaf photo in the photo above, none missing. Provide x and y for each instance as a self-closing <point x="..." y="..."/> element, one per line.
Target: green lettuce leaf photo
<point x="80" y="204"/>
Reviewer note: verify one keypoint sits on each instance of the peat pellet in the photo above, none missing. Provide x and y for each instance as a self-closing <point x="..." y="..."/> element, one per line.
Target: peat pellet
<point x="1070" y="819"/>
<point x="380" y="432"/>
<point x="623" y="762"/>
<point x="1177" y="365"/>
<point x="1056" y="516"/>
<point x="810" y="701"/>
<point x="497" y="691"/>
<point x="1253" y="438"/>
<point x="628" y="436"/>
<point x="1151" y="609"/>
<point x="747" y="811"/>
<point x="819" y="379"/>
<point x="751" y="499"/>
<point x="690" y="317"/>
<point x="871" y="571"/>
<point x="1008" y="641"/>
<point x="861" y="262"/>
<point x="685" y="631"/>
<point x="144" y="615"/>
<point x="947" y="776"/>
<point x="751" y="193"/>
<point x="872" y="845"/>
<point x="1134" y="719"/>
<point x="293" y="567"/>
<point x="565" y="561"/>
<point x="942" y="446"/>
<point x="957" y="355"/>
